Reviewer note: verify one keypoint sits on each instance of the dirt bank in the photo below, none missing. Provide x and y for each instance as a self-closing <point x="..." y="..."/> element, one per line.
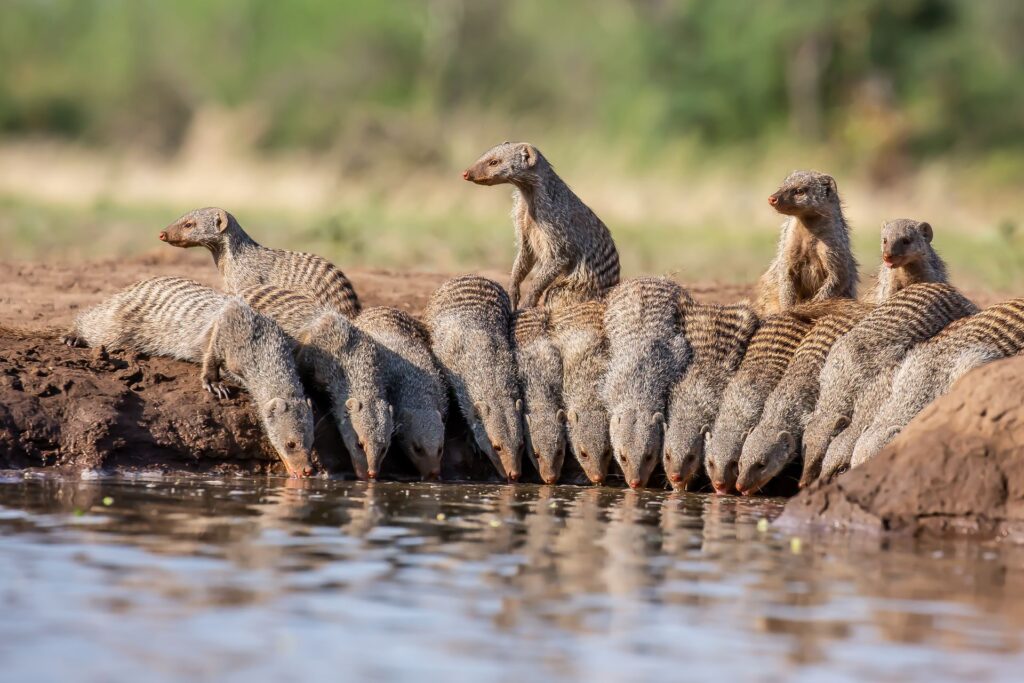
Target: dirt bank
<point x="958" y="467"/>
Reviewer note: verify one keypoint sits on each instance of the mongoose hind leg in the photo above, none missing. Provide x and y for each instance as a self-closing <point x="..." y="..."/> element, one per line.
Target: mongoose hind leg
<point x="211" y="378"/>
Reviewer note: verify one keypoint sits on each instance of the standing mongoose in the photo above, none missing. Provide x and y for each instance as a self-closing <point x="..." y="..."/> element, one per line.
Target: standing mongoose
<point x="876" y="344"/>
<point x="814" y="261"/>
<point x="180" y="318"/>
<point x="931" y="368"/>
<point x="540" y="376"/>
<point x="647" y="354"/>
<point x="469" y="318"/>
<point x="345" y="362"/>
<point x="578" y="331"/>
<point x="718" y="336"/>
<point x="769" y="353"/>
<point x="775" y="441"/>
<point x="243" y="263"/>
<point x="566" y="246"/>
<point x="415" y="385"/>
<point x="908" y="258"/>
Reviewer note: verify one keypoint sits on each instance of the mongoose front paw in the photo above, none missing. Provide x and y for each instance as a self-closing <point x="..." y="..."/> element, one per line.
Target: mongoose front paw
<point x="73" y="341"/>
<point x="218" y="389"/>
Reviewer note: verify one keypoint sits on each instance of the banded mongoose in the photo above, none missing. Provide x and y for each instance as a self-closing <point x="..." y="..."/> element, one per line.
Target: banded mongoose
<point x="578" y="330"/>
<point x="814" y="261"/>
<point x="243" y="263"/>
<point x="469" y="318"/>
<point x="775" y="440"/>
<point x="569" y="250"/>
<point x="415" y="385"/>
<point x="647" y="355"/>
<point x="345" y="362"/>
<point x="719" y="336"/>
<point x="931" y="368"/>
<point x="839" y="453"/>
<point x="877" y="343"/>
<point x="540" y="376"/>
<point x="908" y="257"/>
<point x="768" y="355"/>
<point x="180" y="318"/>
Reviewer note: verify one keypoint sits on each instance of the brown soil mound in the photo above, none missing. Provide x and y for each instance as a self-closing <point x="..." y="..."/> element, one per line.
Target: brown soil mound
<point x="958" y="467"/>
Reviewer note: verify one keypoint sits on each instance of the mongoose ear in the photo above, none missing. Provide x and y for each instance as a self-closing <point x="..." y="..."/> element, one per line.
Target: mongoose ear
<point x="275" y="407"/>
<point x="658" y="419"/>
<point x="830" y="186"/>
<point x="529" y="154"/>
<point x="788" y="438"/>
<point x="842" y="422"/>
<point x="529" y="422"/>
<point x="519" y="405"/>
<point x="391" y="411"/>
<point x="354" y="405"/>
<point x="926" y="231"/>
<point x="309" y="402"/>
<point x="481" y="409"/>
<point x="560" y="416"/>
<point x="221" y="220"/>
<point x="573" y="416"/>
<point x="705" y="429"/>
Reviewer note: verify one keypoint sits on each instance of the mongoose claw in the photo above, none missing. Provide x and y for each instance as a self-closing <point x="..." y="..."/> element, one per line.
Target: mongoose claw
<point x="72" y="341"/>
<point x="218" y="389"/>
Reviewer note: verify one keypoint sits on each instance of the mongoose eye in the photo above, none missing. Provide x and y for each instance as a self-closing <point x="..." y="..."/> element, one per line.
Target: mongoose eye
<point x="905" y="240"/>
<point x="290" y="445"/>
<point x="800" y="192"/>
<point x="492" y="162"/>
<point x="885" y="240"/>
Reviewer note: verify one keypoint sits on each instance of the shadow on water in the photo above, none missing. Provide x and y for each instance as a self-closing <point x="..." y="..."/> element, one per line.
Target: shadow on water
<point x="159" y="578"/>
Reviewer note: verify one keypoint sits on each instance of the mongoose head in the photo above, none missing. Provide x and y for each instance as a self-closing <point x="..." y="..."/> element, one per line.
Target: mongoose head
<point x="838" y="454"/>
<point x="636" y="437"/>
<point x="545" y="442"/>
<point x="818" y="434"/>
<point x="200" y="228"/>
<point x="505" y="163"/>
<point x="684" y="450"/>
<point x="806" y="194"/>
<point x="765" y="452"/>
<point x="421" y="436"/>
<point x="873" y="440"/>
<point x="373" y="423"/>
<point x="288" y="422"/>
<point x="904" y="242"/>
<point x="498" y="432"/>
<point x="738" y="414"/>
<point x="588" y="434"/>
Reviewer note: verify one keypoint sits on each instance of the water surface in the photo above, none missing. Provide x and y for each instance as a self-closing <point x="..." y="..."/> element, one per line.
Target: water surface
<point x="155" y="578"/>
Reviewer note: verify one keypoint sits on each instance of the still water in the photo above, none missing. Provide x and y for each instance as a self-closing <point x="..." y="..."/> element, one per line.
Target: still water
<point x="155" y="578"/>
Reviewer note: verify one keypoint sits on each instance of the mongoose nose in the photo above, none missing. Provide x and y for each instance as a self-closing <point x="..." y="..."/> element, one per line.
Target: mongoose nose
<point x="773" y="200"/>
<point x="433" y="475"/>
<point x="599" y="479"/>
<point x="307" y="471"/>
<point x="720" y="487"/>
<point x="465" y="174"/>
<point x="676" y="478"/>
<point x="163" y="235"/>
<point x="634" y="484"/>
<point x="372" y="474"/>
<point x="513" y="476"/>
<point x="550" y="480"/>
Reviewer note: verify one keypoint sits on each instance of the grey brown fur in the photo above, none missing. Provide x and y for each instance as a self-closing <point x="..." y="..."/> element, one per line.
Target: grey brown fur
<point x="908" y="258"/>
<point x="931" y="368"/>
<point x="768" y="355"/>
<point x="775" y="441"/>
<point x="469" y="318"/>
<point x="243" y="263"/>
<point x="814" y="261"/>
<point x="540" y="376"/>
<point x="560" y="240"/>
<point x="180" y="318"/>
<point x="647" y="354"/>
<point x="578" y="331"/>
<point x="718" y="336"/>
<point x="876" y="344"/>
<point x="415" y="384"/>
<point x="342" y="360"/>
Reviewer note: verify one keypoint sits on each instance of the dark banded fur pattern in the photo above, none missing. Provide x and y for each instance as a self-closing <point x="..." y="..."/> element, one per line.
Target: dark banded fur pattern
<point x="345" y="362"/>
<point x="648" y="352"/>
<point x="415" y="385"/>
<point x="930" y="369"/>
<point x="469" y="319"/>
<point x="243" y="263"/>
<point x="540" y="376"/>
<point x="876" y="344"/>
<point x="907" y="258"/>
<point x="768" y="356"/>
<point x="775" y="441"/>
<point x="180" y="318"/>
<point x="560" y="240"/>
<point x="578" y="330"/>
<point x="718" y="336"/>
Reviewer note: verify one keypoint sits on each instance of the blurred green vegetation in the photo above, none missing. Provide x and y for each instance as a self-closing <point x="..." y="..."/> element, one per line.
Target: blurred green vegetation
<point x="884" y="81"/>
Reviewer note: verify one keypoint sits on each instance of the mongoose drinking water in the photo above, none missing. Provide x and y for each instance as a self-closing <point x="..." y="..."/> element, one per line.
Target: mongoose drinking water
<point x="769" y="353"/>
<point x="243" y="263"/>
<point x="775" y="441"/>
<point x="647" y="354"/>
<point x="814" y="261"/>
<point x="908" y="258"/>
<point x="578" y="330"/>
<point x="718" y="336"/>
<point x="415" y="384"/>
<point x="180" y="318"/>
<point x="876" y="344"/>
<point x="931" y="368"/>
<point x="469" y="318"/>
<point x="566" y="246"/>
<point x="345" y="362"/>
<point x="540" y="376"/>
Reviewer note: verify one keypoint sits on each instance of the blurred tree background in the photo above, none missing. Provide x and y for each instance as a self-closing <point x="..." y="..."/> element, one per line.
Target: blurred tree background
<point x="879" y="89"/>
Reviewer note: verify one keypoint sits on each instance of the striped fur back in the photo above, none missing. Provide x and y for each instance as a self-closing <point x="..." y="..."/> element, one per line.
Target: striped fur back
<point x="641" y="310"/>
<point x="829" y="324"/>
<point x="470" y="297"/>
<point x="293" y="311"/>
<point x="380" y="319"/>
<point x="1000" y="327"/>
<point x="315" y="276"/>
<point x="772" y="347"/>
<point x="588" y="315"/>
<point x="530" y="325"/>
<point x="718" y="334"/>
